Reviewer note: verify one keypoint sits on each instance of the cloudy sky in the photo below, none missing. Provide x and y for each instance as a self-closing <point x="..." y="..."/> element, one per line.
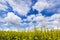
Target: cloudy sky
<point x="24" y="14"/>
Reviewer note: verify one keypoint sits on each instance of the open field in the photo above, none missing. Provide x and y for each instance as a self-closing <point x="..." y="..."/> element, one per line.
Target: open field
<point x="29" y="35"/>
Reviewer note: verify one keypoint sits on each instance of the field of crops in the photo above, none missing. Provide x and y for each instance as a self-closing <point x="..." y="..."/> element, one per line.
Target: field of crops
<point x="31" y="35"/>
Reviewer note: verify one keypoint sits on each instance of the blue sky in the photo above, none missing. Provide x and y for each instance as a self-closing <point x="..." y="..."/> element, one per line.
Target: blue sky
<point x="27" y="14"/>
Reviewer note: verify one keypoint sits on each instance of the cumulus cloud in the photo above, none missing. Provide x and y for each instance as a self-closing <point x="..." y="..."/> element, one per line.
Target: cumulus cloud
<point x="53" y="5"/>
<point x="49" y="22"/>
<point x="22" y="7"/>
<point x="10" y="22"/>
<point x="40" y="5"/>
<point x="2" y="19"/>
<point x="12" y="18"/>
<point x="3" y="7"/>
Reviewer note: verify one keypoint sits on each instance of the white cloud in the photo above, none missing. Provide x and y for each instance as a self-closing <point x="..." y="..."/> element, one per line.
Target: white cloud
<point x="12" y="18"/>
<point x="2" y="1"/>
<point x="53" y="5"/>
<point x="38" y="18"/>
<point x="29" y="18"/>
<point x="20" y="6"/>
<point x="1" y="19"/>
<point x="3" y="7"/>
<point x="50" y="22"/>
<point x="10" y="22"/>
<point x="40" y="5"/>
